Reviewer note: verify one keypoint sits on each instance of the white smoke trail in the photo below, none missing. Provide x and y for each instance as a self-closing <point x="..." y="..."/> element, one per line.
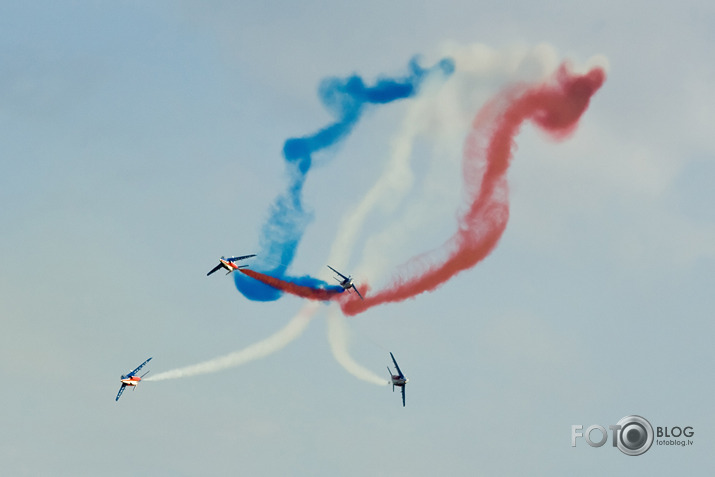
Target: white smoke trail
<point x="263" y="348"/>
<point x="441" y="114"/>
<point x="387" y="193"/>
<point x="338" y="339"/>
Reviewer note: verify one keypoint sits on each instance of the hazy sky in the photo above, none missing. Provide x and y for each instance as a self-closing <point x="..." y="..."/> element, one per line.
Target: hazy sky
<point x="139" y="143"/>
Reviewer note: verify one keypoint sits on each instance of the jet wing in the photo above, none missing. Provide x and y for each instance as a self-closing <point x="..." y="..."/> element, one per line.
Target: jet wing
<point x="343" y="276"/>
<point x="121" y="390"/>
<point x="234" y="259"/>
<point x="404" y="386"/>
<point x="398" y="368"/>
<point x="129" y="375"/>
<point x="215" y="268"/>
<point x="358" y="292"/>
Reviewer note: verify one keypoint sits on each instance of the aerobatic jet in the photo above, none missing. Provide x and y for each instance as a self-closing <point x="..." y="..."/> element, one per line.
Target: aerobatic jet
<point x="398" y="379"/>
<point x="131" y="379"/>
<point x="346" y="282"/>
<point x="228" y="264"/>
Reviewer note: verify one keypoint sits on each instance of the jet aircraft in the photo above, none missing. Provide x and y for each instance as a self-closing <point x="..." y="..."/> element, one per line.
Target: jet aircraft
<point x="228" y="264"/>
<point x="346" y="282"/>
<point x="398" y="379"/>
<point x="131" y="379"/>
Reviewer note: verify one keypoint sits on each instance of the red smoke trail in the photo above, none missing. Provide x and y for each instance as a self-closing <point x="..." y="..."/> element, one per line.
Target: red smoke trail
<point x="320" y="294"/>
<point x="556" y="107"/>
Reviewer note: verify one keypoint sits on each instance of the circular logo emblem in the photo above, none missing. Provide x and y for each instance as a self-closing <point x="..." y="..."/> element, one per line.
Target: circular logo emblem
<point x="635" y="435"/>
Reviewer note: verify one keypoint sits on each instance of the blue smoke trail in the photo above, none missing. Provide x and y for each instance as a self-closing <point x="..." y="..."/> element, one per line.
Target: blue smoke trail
<point x="288" y="219"/>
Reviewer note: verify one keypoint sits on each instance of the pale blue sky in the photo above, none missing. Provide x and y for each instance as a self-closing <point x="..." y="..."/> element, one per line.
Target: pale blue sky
<point x="140" y="142"/>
